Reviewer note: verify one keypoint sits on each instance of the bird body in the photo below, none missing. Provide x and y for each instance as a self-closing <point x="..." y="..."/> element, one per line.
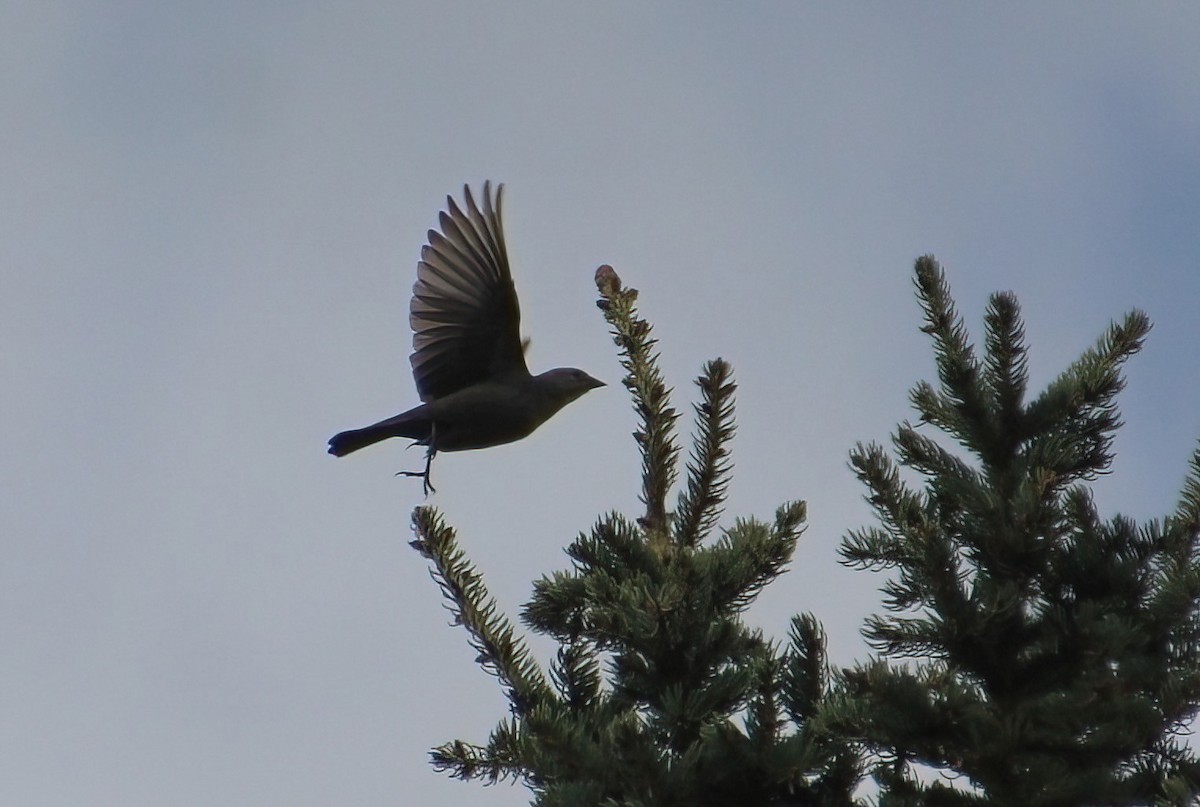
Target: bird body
<point x="483" y="415"/>
<point x="468" y="360"/>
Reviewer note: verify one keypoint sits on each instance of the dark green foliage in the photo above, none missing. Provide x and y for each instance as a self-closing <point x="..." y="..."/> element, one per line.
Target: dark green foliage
<point x="1031" y="653"/>
<point x="659" y="695"/>
<point x="1055" y="653"/>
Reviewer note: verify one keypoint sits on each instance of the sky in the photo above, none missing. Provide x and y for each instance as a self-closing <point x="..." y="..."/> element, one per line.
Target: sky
<point x="211" y="215"/>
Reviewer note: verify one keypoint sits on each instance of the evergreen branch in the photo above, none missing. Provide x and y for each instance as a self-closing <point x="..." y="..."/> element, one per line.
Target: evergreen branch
<point x="921" y="713"/>
<point x="974" y="514"/>
<point x="500" y="651"/>
<point x="1077" y="413"/>
<point x="613" y="611"/>
<point x="764" y="710"/>
<point x="555" y="607"/>
<point x="1169" y="771"/>
<point x="958" y="369"/>
<point x="906" y="638"/>
<point x="911" y="542"/>
<point x="591" y="754"/>
<point x="1006" y="367"/>
<point x="899" y="509"/>
<point x="748" y="556"/>
<point x="933" y="407"/>
<point x="870" y="548"/>
<point x="492" y="763"/>
<point x="805" y="675"/>
<point x="576" y="675"/>
<point x="614" y="546"/>
<point x="685" y="708"/>
<point x="1185" y="521"/>
<point x="570" y="605"/>
<point x="789" y="519"/>
<point x="655" y="435"/>
<point x="699" y="505"/>
<point x="925" y="455"/>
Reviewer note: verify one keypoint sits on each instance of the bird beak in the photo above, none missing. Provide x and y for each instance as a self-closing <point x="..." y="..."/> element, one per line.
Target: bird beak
<point x="595" y="383"/>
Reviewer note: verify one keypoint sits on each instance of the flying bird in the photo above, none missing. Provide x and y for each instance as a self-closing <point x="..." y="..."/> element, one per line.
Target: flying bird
<point x="468" y="359"/>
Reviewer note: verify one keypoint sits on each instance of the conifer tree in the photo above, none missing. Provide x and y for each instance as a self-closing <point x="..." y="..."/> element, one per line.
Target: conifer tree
<point x="1033" y="652"/>
<point x="659" y="695"/>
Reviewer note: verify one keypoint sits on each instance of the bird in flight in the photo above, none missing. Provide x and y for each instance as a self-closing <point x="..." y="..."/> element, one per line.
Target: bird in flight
<point x="468" y="359"/>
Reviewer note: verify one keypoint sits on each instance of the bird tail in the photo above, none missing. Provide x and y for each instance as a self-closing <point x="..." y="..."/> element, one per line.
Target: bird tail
<point x="347" y="442"/>
<point x="405" y="425"/>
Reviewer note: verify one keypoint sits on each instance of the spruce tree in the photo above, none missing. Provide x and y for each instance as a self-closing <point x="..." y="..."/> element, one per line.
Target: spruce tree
<point x="1032" y="651"/>
<point x="659" y="694"/>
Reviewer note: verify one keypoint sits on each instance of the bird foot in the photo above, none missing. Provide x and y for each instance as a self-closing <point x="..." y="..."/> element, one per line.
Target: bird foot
<point x="429" y="454"/>
<point x="428" y="486"/>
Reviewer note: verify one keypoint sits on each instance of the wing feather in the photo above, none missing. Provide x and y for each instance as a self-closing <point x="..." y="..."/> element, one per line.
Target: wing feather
<point x="464" y="312"/>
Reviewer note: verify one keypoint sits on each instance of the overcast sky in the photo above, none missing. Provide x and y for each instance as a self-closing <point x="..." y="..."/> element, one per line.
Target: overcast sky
<point x="211" y="218"/>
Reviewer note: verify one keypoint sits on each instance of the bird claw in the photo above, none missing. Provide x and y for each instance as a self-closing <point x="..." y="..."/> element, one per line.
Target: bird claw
<point x="429" y="453"/>
<point x="428" y="486"/>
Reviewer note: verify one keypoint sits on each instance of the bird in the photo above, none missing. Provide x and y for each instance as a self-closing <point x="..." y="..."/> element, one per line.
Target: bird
<point x="468" y="359"/>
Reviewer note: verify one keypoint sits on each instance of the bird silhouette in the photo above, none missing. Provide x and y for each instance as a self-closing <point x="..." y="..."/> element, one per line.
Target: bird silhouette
<point x="468" y="359"/>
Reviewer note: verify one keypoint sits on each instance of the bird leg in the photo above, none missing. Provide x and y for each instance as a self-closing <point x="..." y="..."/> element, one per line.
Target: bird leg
<point x="429" y="453"/>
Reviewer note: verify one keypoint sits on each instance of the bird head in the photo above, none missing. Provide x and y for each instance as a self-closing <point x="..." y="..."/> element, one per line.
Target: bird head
<point x="565" y="384"/>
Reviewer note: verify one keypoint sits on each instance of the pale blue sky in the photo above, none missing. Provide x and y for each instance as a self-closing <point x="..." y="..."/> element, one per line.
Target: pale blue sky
<point x="211" y="218"/>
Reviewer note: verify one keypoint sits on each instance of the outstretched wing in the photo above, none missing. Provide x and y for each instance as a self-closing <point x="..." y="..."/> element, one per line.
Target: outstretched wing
<point x="464" y="313"/>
